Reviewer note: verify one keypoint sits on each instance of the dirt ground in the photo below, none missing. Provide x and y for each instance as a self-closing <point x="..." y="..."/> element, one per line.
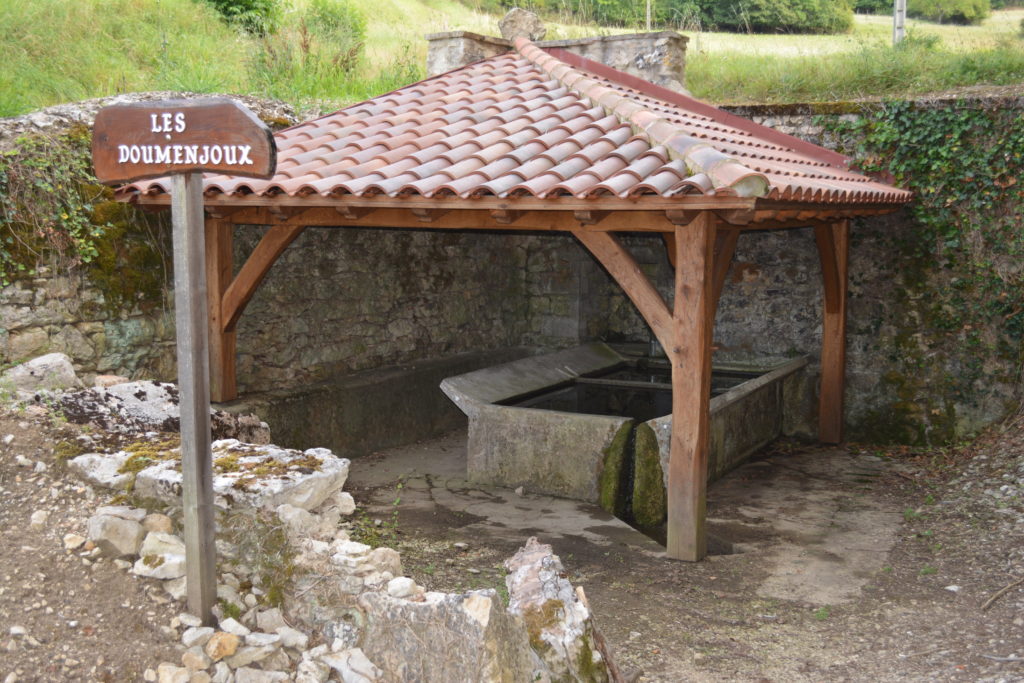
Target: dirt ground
<point x="915" y="545"/>
<point x="891" y="585"/>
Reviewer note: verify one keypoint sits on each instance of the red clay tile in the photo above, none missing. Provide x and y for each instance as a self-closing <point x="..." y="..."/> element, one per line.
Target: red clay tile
<point x="528" y="123"/>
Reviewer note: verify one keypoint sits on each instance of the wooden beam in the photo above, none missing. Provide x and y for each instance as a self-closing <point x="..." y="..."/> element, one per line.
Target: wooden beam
<point x="219" y="272"/>
<point x="241" y="289"/>
<point x="833" y="247"/>
<point x="621" y="265"/>
<point x="725" y="247"/>
<point x="568" y="203"/>
<point x="690" y="353"/>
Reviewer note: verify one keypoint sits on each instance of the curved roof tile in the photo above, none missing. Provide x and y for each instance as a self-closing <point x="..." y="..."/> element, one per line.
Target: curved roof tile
<point x="527" y="123"/>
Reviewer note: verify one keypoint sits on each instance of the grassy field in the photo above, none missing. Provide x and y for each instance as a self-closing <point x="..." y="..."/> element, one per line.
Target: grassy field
<point x="54" y="51"/>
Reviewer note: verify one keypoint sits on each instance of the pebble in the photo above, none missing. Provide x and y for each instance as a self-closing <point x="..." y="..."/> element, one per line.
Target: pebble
<point x="196" y="635"/>
<point x="461" y="546"/>
<point x="18" y="631"/>
<point x="73" y="541"/>
<point x="22" y="461"/>
<point x="232" y="626"/>
<point x="953" y="589"/>
<point x="8" y="439"/>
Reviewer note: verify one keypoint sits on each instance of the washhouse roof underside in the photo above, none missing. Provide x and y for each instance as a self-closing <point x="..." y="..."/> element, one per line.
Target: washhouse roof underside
<point x="537" y="129"/>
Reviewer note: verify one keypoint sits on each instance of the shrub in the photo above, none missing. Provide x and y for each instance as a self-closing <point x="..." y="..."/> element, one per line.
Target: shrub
<point x="257" y="17"/>
<point x="873" y="6"/>
<point x="950" y="11"/>
<point x="780" y="16"/>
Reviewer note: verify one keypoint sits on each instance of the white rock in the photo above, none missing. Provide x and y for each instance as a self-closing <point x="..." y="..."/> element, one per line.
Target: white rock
<point x="9" y="439"/>
<point x="461" y="546"/>
<point x="73" y="541"/>
<point x="159" y="543"/>
<point x="123" y="512"/>
<point x="312" y="671"/>
<point x="168" y="673"/>
<point x="258" y="639"/>
<point x="386" y="560"/>
<point x="953" y="589"/>
<point x="248" y="675"/>
<point x="196" y="635"/>
<point x="149" y="675"/>
<point x="247" y="655"/>
<point x="189" y="620"/>
<point x="353" y="666"/>
<point x="160" y="566"/>
<point x="344" y="503"/>
<point x="297" y="521"/>
<point x="269" y="620"/>
<point x="403" y="587"/>
<point x="40" y="467"/>
<point x="232" y="626"/>
<point x="17" y="631"/>
<point x="54" y="371"/>
<point x="22" y="461"/>
<point x="291" y="637"/>
<point x="115" y="536"/>
<point x="101" y="469"/>
<point x="37" y="522"/>
<point x="222" y="673"/>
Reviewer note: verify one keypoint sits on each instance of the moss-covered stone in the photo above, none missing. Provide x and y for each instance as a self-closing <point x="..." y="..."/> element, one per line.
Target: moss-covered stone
<point x="611" y="494"/>
<point x="649" y="497"/>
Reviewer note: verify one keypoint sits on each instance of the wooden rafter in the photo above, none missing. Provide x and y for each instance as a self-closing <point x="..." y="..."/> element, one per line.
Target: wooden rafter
<point x="241" y="289"/>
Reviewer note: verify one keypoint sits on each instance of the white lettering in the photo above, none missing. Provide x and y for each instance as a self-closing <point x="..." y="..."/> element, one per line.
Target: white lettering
<point x="243" y="157"/>
<point x="166" y="118"/>
<point x="215" y="155"/>
<point x="122" y="153"/>
<point x="163" y="155"/>
<point x="204" y="158"/>
<point x="191" y="154"/>
<point x="177" y="154"/>
<point x="133" y="154"/>
<point x="179" y="122"/>
<point x="155" y="128"/>
<point x="230" y="157"/>
<point x="147" y="154"/>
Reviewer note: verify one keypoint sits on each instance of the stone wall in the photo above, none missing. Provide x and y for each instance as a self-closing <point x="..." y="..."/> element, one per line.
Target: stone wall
<point x="65" y="313"/>
<point x="346" y="300"/>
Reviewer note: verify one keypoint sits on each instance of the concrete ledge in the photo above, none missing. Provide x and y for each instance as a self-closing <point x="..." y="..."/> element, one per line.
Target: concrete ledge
<point x="356" y="414"/>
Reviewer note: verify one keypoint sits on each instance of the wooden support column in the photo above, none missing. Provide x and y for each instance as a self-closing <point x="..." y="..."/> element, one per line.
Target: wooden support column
<point x="219" y="271"/>
<point x="692" y="323"/>
<point x="833" y="246"/>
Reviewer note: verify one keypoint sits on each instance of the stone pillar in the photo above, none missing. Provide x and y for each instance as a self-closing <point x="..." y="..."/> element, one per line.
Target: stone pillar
<point x="454" y="49"/>
<point x="658" y="57"/>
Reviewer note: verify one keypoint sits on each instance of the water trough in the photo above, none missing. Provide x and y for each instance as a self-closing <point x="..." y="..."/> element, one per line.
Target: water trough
<point x="594" y="422"/>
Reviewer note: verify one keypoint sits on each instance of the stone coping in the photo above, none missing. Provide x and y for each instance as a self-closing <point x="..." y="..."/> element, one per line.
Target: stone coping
<point x="565" y="43"/>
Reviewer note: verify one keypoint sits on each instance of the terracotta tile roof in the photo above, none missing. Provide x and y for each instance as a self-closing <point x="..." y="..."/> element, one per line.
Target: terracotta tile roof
<point x="545" y="124"/>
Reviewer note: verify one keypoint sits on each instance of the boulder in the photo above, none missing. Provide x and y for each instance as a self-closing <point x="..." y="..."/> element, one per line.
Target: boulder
<point x="558" y="620"/>
<point x="520" y="22"/>
<point x="101" y="469"/>
<point x="353" y="666"/>
<point x="446" y="637"/>
<point x="160" y="566"/>
<point x="115" y="536"/>
<point x="144" y="406"/>
<point x="52" y="372"/>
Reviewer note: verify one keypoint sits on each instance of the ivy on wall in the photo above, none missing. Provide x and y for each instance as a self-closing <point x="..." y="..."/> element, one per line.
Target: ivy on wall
<point x="959" y="259"/>
<point x="54" y="213"/>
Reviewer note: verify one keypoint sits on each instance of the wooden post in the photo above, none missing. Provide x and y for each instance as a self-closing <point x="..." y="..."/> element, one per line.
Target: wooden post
<point x="833" y="246"/>
<point x="193" y="385"/>
<point x="693" y="319"/>
<point x="219" y="271"/>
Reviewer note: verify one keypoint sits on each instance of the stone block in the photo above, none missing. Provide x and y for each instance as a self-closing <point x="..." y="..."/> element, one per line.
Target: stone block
<point x="115" y="537"/>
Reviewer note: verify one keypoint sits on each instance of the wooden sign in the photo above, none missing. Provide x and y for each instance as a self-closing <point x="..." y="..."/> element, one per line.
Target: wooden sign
<point x="150" y="139"/>
<point x="181" y="139"/>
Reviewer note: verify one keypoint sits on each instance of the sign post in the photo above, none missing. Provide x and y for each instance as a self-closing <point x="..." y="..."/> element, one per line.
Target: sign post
<point x="182" y="138"/>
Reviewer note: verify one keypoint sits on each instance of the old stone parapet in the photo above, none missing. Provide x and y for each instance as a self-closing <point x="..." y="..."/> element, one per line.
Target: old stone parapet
<point x="659" y="57"/>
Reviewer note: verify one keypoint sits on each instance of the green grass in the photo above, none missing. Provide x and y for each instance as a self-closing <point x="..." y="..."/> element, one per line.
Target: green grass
<point x="54" y="51"/>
